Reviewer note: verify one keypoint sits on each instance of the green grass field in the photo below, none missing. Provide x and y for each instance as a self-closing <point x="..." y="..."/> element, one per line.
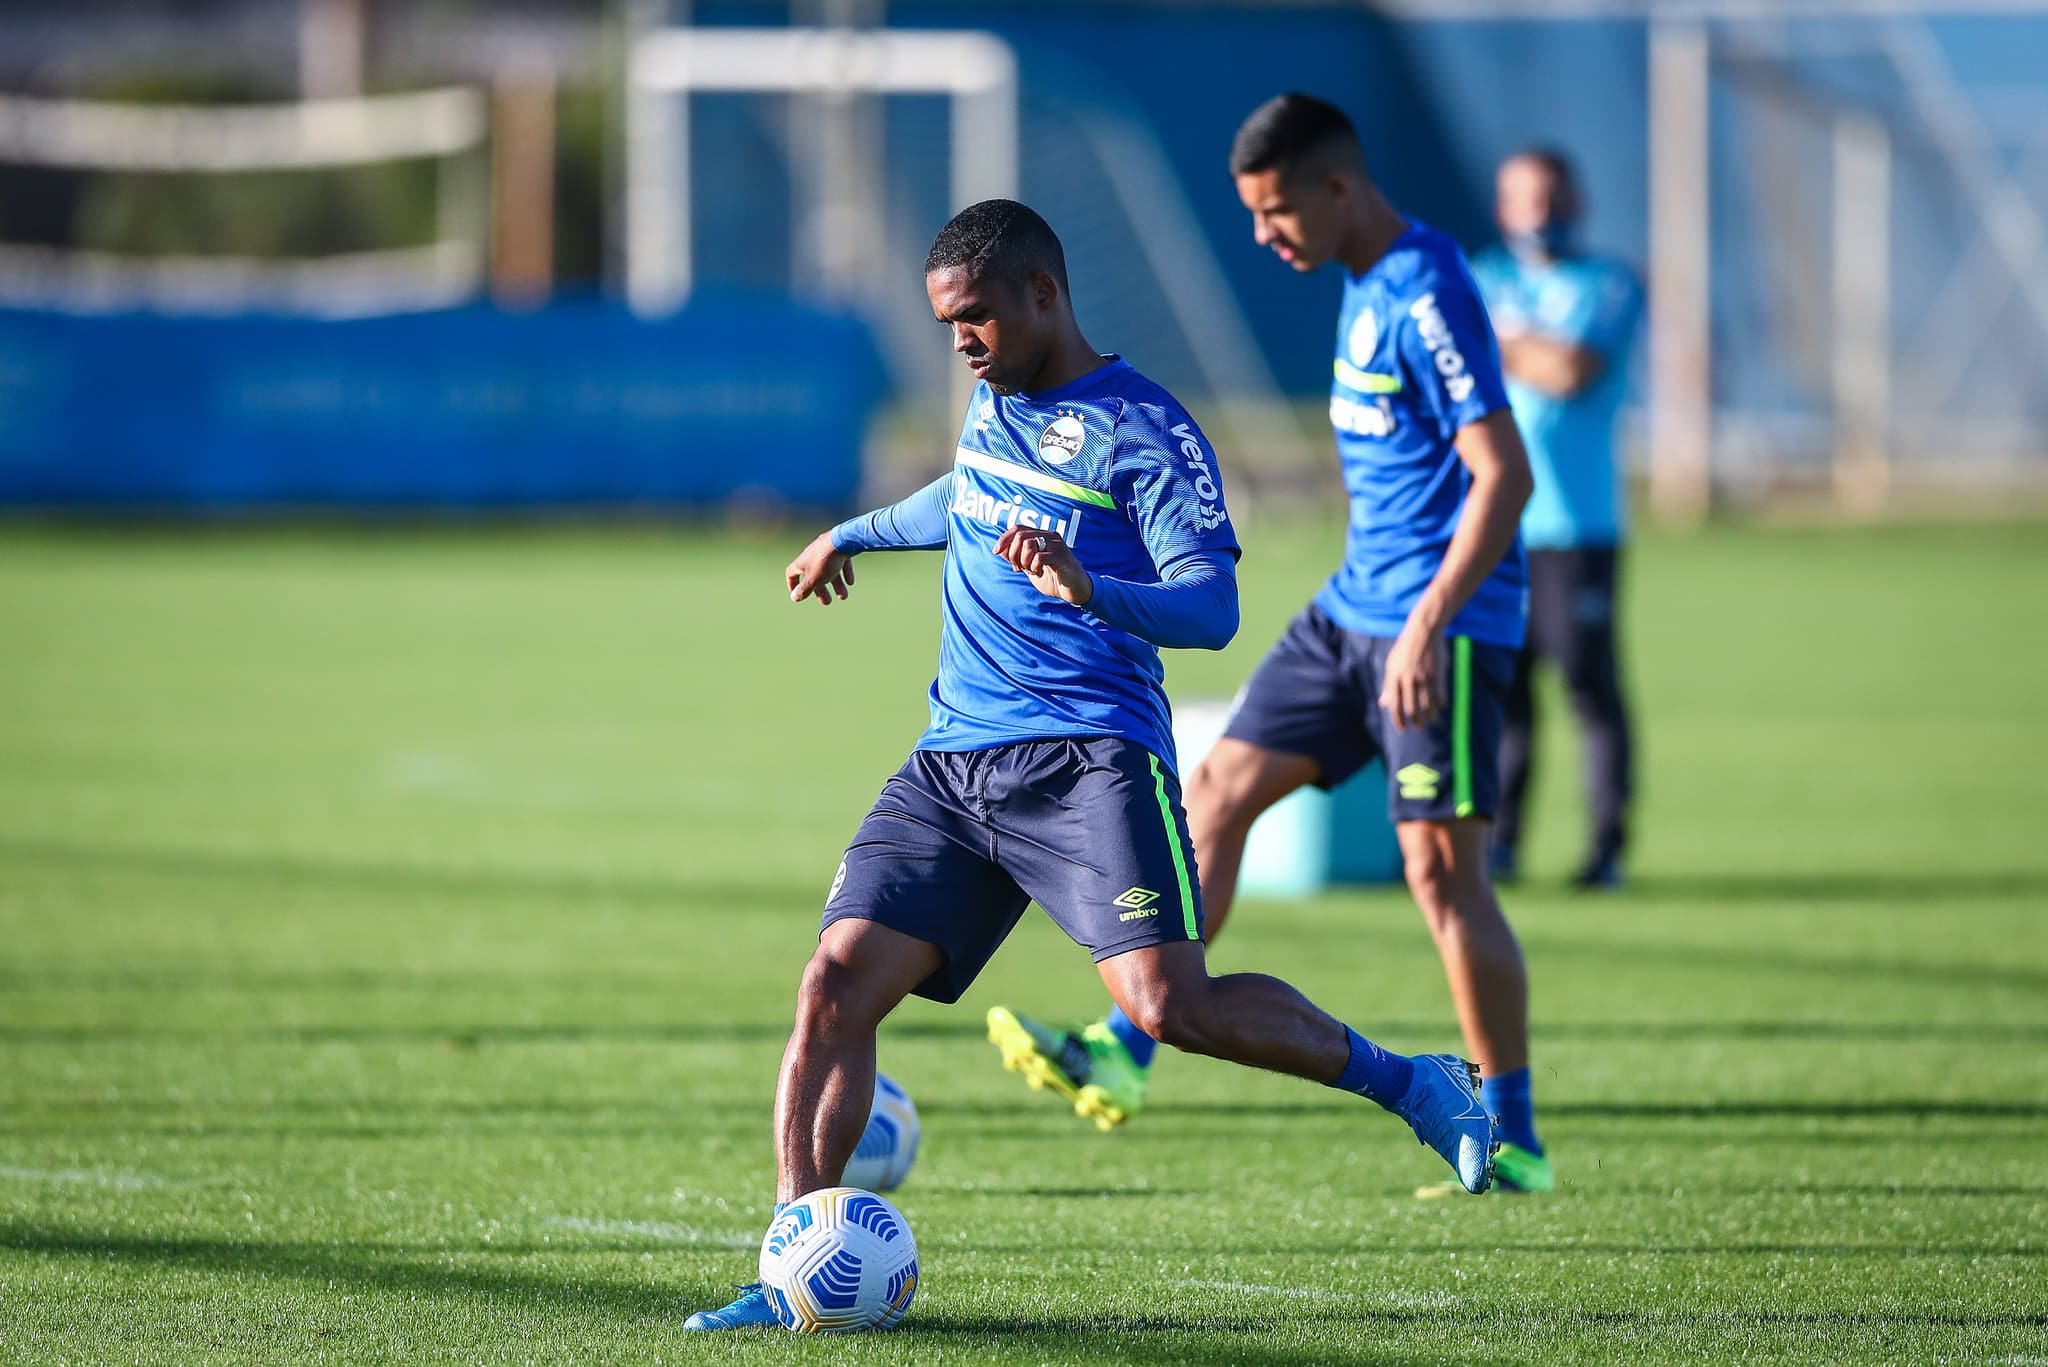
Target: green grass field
<point x="399" y="935"/>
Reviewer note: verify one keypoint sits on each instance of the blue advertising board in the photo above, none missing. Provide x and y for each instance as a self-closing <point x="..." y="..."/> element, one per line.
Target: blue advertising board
<point x="753" y="400"/>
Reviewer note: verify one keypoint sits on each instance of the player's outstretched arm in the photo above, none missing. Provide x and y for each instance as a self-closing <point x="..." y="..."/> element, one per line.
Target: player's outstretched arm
<point x="1414" y="687"/>
<point x="917" y="523"/>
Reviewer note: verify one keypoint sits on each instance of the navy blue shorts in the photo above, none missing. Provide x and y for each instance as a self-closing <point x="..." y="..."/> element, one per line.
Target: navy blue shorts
<point x="958" y="845"/>
<point x="1317" y="694"/>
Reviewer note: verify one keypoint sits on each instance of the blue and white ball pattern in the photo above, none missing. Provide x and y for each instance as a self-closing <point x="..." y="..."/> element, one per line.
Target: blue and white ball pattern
<point x="837" y="1261"/>
<point x="888" y="1146"/>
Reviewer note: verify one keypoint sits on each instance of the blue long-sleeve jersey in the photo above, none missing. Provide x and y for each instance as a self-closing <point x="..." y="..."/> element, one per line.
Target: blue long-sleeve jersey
<point x="1122" y="471"/>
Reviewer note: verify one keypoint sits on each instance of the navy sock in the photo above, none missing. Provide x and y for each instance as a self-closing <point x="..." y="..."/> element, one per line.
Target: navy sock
<point x="1375" y="1073"/>
<point x="1507" y="1098"/>
<point x="1136" y="1042"/>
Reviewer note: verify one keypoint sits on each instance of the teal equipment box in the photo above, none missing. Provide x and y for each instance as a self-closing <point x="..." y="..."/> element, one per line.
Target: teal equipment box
<point x="1309" y="840"/>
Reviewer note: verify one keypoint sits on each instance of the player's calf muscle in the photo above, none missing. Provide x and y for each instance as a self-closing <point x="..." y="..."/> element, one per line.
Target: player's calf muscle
<point x="1243" y="1018"/>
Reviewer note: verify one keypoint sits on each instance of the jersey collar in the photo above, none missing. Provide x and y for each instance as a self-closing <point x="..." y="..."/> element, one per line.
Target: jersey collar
<point x="1080" y="385"/>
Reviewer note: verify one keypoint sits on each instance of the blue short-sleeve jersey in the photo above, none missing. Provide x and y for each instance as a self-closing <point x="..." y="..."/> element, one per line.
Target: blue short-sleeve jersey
<point x="1114" y="463"/>
<point x="1590" y="302"/>
<point x="1416" y="361"/>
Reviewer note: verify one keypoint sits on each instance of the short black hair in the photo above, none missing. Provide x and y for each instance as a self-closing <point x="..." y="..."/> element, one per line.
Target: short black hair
<point x="1555" y="160"/>
<point x="1286" y="131"/>
<point x="999" y="239"/>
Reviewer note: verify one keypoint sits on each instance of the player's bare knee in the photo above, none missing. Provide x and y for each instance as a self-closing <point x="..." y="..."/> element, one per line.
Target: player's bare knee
<point x="1214" y="801"/>
<point x="828" y="998"/>
<point x="1180" y="1016"/>
<point x="1146" y="1009"/>
<point x="1156" y="1008"/>
<point x="1427" y="868"/>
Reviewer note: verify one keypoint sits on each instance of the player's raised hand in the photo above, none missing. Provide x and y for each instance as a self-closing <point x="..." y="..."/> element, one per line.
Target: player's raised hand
<point x="1414" y="686"/>
<point x="1044" y="555"/>
<point x="820" y="571"/>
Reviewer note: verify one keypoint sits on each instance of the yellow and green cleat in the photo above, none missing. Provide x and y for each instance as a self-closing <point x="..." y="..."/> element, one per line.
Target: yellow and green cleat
<point x="1516" y="1171"/>
<point x="1091" y="1069"/>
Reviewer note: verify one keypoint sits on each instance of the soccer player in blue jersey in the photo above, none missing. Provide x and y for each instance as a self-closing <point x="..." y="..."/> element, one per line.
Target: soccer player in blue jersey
<point x="1566" y="320"/>
<point x="1407" y="653"/>
<point x="1084" y="527"/>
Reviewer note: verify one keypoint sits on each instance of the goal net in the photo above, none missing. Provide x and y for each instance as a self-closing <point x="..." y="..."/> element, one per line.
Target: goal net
<point x="447" y="127"/>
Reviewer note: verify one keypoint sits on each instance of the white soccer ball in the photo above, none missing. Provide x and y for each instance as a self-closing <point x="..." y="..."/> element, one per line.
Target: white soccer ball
<point x="888" y="1146"/>
<point x="839" y="1260"/>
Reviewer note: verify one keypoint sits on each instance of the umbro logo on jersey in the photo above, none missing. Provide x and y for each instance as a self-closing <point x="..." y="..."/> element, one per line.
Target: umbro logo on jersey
<point x="838" y="882"/>
<point x="1418" y="782"/>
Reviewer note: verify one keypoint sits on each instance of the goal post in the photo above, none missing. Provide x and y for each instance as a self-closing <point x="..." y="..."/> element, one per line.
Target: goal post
<point x="449" y="126"/>
<point x="977" y="72"/>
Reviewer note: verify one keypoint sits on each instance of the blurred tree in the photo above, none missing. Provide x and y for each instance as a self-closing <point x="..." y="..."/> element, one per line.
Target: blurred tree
<point x="580" y="131"/>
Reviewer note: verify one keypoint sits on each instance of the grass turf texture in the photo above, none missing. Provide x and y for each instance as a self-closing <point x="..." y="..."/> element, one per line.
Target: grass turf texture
<point x="400" y="934"/>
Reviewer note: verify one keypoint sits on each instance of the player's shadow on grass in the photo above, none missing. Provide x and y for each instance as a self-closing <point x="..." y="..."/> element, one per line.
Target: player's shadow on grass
<point x="1165" y="1338"/>
<point x="346" y="1268"/>
<point x="383" y="1267"/>
<point x="655" y="1307"/>
<point x="1129" y="1332"/>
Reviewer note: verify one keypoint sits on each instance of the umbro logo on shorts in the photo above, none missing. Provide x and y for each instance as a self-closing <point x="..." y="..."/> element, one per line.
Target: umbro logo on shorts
<point x="1418" y="782"/>
<point x="1141" y="901"/>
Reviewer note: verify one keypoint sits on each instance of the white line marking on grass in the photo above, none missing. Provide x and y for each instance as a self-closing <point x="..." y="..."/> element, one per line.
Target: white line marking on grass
<point x="95" y="1177"/>
<point x="652" y="1229"/>
<point x="1299" y="1293"/>
<point x="1417" y="1300"/>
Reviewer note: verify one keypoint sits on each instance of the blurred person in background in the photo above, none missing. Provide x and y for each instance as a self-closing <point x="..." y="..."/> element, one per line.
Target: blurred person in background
<point x="1566" y="320"/>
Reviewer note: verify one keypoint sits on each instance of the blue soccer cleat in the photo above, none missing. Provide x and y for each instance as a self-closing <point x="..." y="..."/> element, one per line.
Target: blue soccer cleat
<point x="1443" y="1106"/>
<point x="748" y="1312"/>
